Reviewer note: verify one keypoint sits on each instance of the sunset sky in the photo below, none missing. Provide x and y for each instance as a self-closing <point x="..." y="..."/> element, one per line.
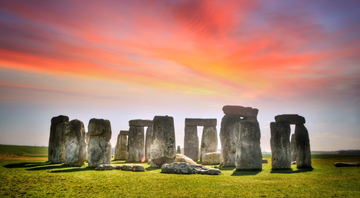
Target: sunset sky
<point x="123" y="60"/>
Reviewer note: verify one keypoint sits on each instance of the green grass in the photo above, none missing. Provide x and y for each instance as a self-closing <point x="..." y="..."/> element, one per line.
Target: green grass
<point x="27" y="151"/>
<point x="41" y="179"/>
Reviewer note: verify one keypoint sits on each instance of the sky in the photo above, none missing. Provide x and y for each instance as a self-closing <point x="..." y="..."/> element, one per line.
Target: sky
<point x="124" y="60"/>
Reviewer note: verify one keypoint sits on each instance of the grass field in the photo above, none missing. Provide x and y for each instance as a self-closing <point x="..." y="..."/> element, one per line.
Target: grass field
<point x="37" y="178"/>
<point x="25" y="151"/>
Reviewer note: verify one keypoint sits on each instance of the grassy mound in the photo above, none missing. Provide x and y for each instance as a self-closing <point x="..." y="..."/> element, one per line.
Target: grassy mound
<point x="26" y="151"/>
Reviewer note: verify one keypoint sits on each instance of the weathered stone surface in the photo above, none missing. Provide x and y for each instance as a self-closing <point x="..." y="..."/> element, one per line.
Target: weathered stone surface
<point x="127" y="167"/>
<point x="121" y="147"/>
<point x="280" y="145"/>
<point x="99" y="148"/>
<point x="186" y="168"/>
<point x="248" y="152"/>
<point x="184" y="158"/>
<point x="149" y="133"/>
<point x="290" y="118"/>
<point x="209" y="140"/>
<point x="303" y="152"/>
<point x="264" y="161"/>
<point x="100" y="127"/>
<point x="87" y="140"/>
<point x="211" y="158"/>
<point x="56" y="148"/>
<point x="229" y="133"/>
<point x="138" y="168"/>
<point x="293" y="147"/>
<point x="246" y="112"/>
<point x="200" y="122"/>
<point x="347" y="164"/>
<point x="75" y="145"/>
<point x="136" y="147"/>
<point x="108" y="167"/>
<point x="178" y="150"/>
<point x="162" y="144"/>
<point x="140" y="123"/>
<point x="191" y="143"/>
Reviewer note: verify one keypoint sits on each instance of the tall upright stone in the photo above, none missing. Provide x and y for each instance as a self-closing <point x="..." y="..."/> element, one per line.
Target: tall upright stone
<point x="280" y="145"/>
<point x="191" y="143"/>
<point x="99" y="148"/>
<point x="293" y="147"/>
<point x="248" y="152"/>
<point x="209" y="140"/>
<point x="178" y="150"/>
<point x="75" y="143"/>
<point x="162" y="144"/>
<point x="136" y="144"/>
<point x="229" y="133"/>
<point x="121" y="146"/>
<point x="149" y="133"/>
<point x="56" y="149"/>
<point x="303" y="152"/>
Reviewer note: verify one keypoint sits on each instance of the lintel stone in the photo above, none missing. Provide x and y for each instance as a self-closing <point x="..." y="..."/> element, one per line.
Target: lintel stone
<point x="240" y="111"/>
<point x="140" y="123"/>
<point x="290" y="118"/>
<point x="124" y="132"/>
<point x="200" y="122"/>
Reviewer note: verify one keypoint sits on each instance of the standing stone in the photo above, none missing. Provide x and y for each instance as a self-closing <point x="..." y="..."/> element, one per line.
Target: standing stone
<point x="248" y="152"/>
<point x="75" y="144"/>
<point x="162" y="144"/>
<point x="87" y="140"/>
<point x="280" y="145"/>
<point x="303" y="152"/>
<point x="99" y="148"/>
<point x="191" y="143"/>
<point x="293" y="148"/>
<point x="56" y="151"/>
<point x="229" y="133"/>
<point x="178" y="150"/>
<point x="136" y="148"/>
<point x="209" y="140"/>
<point x="121" y="146"/>
<point x="149" y="132"/>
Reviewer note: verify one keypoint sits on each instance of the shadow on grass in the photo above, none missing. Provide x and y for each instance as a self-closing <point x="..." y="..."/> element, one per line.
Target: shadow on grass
<point x="227" y="168"/>
<point x="26" y="164"/>
<point x="290" y="171"/>
<point x="48" y="167"/>
<point x="245" y="172"/>
<point x="70" y="170"/>
<point x="151" y="169"/>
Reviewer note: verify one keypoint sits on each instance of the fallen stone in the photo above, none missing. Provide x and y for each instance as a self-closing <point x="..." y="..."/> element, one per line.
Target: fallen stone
<point x="290" y="118"/>
<point x="99" y="148"/>
<point x="127" y="167"/>
<point x="184" y="158"/>
<point x="229" y="133"/>
<point x="248" y="152"/>
<point x="211" y="158"/>
<point x="56" y="148"/>
<point x="347" y="164"/>
<point x="140" y="123"/>
<point x="209" y="140"/>
<point x="264" y="161"/>
<point x="186" y="168"/>
<point x="191" y="143"/>
<point x="162" y="144"/>
<point x="303" y="151"/>
<point x="280" y="145"/>
<point x="108" y="167"/>
<point x="246" y="112"/>
<point x="75" y="145"/>
<point x="138" y="168"/>
<point x="200" y="122"/>
<point x="293" y="162"/>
